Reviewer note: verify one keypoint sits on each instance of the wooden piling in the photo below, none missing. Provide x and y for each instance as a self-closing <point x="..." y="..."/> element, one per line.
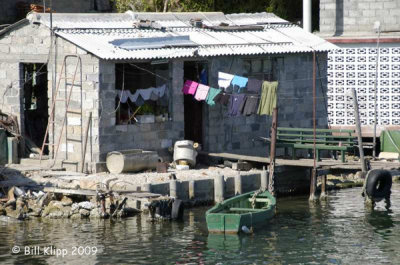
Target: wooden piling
<point x="313" y="184"/>
<point x="219" y="188"/>
<point x="274" y="127"/>
<point x="238" y="184"/>
<point x="323" y="187"/>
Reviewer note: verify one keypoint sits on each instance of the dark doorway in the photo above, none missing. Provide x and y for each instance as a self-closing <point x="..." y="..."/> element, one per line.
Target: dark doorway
<point x="35" y="101"/>
<point x="193" y="109"/>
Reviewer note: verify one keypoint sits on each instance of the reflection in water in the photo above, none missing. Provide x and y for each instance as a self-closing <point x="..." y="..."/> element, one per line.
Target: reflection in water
<point x="337" y="231"/>
<point x="224" y="242"/>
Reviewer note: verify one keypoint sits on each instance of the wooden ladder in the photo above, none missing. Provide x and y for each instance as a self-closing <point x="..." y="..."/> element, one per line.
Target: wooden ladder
<point x="69" y="87"/>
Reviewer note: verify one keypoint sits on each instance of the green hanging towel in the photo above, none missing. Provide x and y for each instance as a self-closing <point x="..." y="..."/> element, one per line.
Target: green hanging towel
<point x="212" y="93"/>
<point x="268" y="98"/>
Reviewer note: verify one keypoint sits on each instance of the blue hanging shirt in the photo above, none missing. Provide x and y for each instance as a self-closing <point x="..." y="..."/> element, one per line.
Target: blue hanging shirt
<point x="239" y="81"/>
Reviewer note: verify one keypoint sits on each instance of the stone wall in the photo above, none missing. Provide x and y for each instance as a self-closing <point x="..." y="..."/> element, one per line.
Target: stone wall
<point x="89" y="101"/>
<point x="148" y="136"/>
<point x="25" y="44"/>
<point x="31" y="44"/>
<point x="221" y="133"/>
<point x="294" y="72"/>
<point x="357" y="17"/>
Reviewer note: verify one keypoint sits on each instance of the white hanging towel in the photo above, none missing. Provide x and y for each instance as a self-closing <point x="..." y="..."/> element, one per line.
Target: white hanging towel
<point x="123" y="95"/>
<point x="224" y="79"/>
<point x="160" y="91"/>
<point x="151" y="93"/>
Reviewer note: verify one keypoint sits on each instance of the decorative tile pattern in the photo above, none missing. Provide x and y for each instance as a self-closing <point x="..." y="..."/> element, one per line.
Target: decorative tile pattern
<point x="355" y="67"/>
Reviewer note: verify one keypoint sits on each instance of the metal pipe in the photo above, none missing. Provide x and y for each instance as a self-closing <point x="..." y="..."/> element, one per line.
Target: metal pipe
<point x="358" y="130"/>
<point x="313" y="182"/>
<point x="376" y="90"/>
<point x="307" y="15"/>
<point x="314" y="110"/>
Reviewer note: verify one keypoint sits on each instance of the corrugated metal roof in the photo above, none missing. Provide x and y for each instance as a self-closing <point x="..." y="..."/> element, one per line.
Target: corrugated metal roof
<point x="169" y="19"/>
<point x="96" y="33"/>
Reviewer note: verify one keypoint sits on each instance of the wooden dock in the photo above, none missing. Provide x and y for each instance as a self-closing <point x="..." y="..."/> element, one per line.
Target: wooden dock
<point x="309" y="163"/>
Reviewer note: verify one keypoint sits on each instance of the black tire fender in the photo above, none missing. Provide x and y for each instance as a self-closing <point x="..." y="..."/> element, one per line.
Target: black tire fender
<point x="379" y="184"/>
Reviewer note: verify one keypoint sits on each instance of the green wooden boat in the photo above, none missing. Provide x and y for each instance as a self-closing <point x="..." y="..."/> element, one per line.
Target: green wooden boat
<point x="232" y="214"/>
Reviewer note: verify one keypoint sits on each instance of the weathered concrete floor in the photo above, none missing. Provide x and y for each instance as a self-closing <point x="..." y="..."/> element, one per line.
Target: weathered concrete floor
<point x="20" y="175"/>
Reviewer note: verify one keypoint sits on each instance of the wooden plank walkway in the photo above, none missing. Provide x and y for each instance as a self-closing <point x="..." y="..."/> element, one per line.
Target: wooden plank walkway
<point x="325" y="163"/>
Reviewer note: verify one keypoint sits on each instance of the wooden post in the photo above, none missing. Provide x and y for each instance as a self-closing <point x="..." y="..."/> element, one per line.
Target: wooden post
<point x="358" y="130"/>
<point x="86" y="140"/>
<point x="323" y="187"/>
<point x="274" y="126"/>
<point x="313" y="184"/>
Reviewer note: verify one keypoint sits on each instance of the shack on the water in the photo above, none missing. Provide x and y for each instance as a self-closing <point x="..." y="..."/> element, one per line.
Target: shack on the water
<point x="128" y="52"/>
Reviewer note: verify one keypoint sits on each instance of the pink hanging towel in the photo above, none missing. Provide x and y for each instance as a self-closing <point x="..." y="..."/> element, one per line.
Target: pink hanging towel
<point x="202" y="92"/>
<point x="190" y="87"/>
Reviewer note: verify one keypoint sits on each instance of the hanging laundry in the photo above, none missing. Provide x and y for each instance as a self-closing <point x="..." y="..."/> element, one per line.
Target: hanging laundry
<point x="212" y="93"/>
<point x="153" y="96"/>
<point x="224" y="80"/>
<point x="235" y="103"/>
<point x="204" y="76"/>
<point x="139" y="101"/>
<point x="222" y="98"/>
<point x="268" y="98"/>
<point x="190" y="87"/>
<point x="123" y="95"/>
<point x="163" y="101"/>
<point x="254" y="85"/>
<point x="239" y="83"/>
<point x="250" y="105"/>
<point x="160" y="91"/>
<point x="201" y="92"/>
<point x="151" y="93"/>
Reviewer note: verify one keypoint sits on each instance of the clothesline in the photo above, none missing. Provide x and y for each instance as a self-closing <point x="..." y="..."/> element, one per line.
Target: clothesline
<point x="141" y="95"/>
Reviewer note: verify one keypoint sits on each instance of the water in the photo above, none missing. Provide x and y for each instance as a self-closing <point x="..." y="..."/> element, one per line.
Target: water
<point x="339" y="231"/>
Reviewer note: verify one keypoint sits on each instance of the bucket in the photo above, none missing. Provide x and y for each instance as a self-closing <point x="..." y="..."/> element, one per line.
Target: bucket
<point x="131" y="160"/>
<point x="184" y="150"/>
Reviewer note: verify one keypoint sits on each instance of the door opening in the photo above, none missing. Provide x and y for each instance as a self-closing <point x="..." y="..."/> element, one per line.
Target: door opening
<point x="35" y="101"/>
<point x="193" y="109"/>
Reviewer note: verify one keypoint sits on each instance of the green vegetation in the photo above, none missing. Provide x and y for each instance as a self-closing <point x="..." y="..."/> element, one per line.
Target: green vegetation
<point x="290" y="10"/>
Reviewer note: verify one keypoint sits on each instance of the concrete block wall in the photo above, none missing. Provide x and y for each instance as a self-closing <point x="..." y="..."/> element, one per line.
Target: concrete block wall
<point x="357" y="17"/>
<point x="236" y="134"/>
<point x="151" y="136"/>
<point x="25" y="44"/>
<point x="90" y="77"/>
<point x="30" y="43"/>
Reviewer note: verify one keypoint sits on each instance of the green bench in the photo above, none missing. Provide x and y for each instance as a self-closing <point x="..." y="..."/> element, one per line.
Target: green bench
<point x="326" y="139"/>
